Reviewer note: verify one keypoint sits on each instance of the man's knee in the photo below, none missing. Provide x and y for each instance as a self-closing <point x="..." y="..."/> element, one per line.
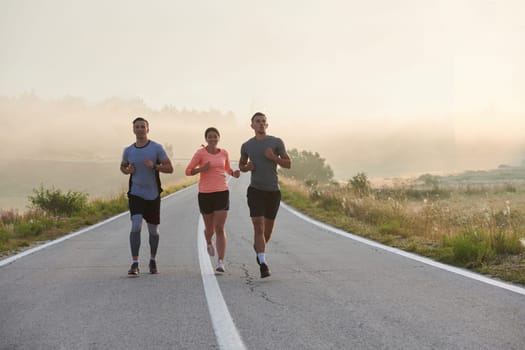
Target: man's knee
<point x="153" y="229"/>
<point x="136" y="223"/>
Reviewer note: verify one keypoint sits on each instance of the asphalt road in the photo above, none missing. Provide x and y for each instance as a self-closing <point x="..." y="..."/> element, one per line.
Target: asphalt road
<point x="327" y="291"/>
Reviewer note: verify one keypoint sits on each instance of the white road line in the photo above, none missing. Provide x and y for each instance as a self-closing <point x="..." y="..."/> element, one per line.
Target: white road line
<point x="15" y="257"/>
<point x="227" y="334"/>
<point x="456" y="270"/>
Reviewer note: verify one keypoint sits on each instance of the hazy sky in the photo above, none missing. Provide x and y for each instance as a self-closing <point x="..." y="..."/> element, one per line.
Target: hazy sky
<point x="293" y="58"/>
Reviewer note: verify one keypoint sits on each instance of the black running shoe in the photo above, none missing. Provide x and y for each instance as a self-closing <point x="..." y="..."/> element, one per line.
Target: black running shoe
<point x="265" y="271"/>
<point x="134" y="270"/>
<point x="153" y="267"/>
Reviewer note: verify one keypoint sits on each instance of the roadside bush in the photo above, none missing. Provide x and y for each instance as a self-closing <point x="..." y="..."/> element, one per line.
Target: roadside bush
<point x="506" y="244"/>
<point x="55" y="202"/>
<point x="471" y="248"/>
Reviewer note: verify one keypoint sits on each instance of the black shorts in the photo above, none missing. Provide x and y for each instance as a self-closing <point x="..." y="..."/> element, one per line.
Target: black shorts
<point x="214" y="201"/>
<point x="263" y="203"/>
<point x="149" y="209"/>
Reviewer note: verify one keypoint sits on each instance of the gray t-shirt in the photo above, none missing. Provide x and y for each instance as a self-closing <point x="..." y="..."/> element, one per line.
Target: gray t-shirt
<point x="144" y="182"/>
<point x="264" y="176"/>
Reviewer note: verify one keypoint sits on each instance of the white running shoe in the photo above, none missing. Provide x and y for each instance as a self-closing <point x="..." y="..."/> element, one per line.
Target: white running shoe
<point x="220" y="266"/>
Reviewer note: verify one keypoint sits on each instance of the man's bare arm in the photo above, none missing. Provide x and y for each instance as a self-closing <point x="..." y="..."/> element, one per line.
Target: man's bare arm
<point x="245" y="165"/>
<point x="165" y="166"/>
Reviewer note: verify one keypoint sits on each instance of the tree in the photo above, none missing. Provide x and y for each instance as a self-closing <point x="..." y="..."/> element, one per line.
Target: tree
<point x="308" y="166"/>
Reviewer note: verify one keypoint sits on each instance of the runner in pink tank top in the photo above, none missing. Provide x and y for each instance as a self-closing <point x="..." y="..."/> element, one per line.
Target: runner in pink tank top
<point x="213" y="163"/>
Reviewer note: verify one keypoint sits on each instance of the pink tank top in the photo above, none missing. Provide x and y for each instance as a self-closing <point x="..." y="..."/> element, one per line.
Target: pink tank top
<point x="213" y="179"/>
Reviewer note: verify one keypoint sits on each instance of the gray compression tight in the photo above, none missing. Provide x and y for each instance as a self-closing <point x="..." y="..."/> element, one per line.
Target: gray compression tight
<point x="134" y="236"/>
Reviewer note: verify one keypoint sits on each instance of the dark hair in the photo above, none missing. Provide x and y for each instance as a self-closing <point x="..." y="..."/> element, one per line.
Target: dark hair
<point x="140" y="119"/>
<point x="210" y="129"/>
<point x="258" y="114"/>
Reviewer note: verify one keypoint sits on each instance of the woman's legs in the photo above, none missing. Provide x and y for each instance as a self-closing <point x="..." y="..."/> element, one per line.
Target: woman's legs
<point x="219" y="220"/>
<point x="208" y="227"/>
<point x="209" y="231"/>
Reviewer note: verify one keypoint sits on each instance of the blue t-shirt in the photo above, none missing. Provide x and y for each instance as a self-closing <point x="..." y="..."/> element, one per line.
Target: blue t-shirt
<point x="145" y="182"/>
<point x="264" y="176"/>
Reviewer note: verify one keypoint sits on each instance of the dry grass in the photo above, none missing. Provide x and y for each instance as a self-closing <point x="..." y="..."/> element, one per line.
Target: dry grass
<point x="473" y="226"/>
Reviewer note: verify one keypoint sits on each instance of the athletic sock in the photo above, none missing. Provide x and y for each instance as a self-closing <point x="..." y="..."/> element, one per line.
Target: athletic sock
<point x="262" y="258"/>
<point x="133" y="261"/>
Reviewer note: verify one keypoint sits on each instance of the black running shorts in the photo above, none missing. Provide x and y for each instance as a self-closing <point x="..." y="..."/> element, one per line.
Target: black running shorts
<point x="263" y="203"/>
<point x="149" y="209"/>
<point x="214" y="201"/>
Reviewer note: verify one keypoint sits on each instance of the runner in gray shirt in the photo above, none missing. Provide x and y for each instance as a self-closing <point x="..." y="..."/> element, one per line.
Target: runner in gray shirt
<point x="261" y="155"/>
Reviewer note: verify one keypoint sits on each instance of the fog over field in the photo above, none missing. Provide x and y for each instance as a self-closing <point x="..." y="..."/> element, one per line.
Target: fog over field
<point x="72" y="129"/>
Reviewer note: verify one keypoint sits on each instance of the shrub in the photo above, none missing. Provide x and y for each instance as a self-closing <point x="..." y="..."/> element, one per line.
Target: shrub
<point x="504" y="243"/>
<point x="471" y="248"/>
<point x="360" y="184"/>
<point x="55" y="202"/>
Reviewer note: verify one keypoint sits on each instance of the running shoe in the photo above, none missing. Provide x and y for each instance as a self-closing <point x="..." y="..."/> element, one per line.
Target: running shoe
<point x="220" y="266"/>
<point x="265" y="271"/>
<point x="211" y="249"/>
<point x="153" y="267"/>
<point x="134" y="270"/>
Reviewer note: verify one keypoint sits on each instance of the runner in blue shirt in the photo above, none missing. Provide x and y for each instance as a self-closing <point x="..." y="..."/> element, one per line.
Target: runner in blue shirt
<point x="143" y="161"/>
